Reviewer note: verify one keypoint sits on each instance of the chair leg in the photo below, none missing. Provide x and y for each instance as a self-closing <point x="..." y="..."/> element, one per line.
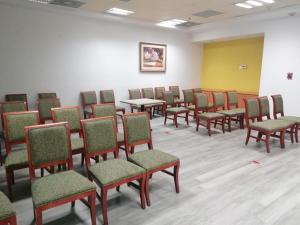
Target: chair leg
<point x="165" y="118"/>
<point x="9" y="182"/>
<point x="175" y="120"/>
<point x="296" y="133"/>
<point x="268" y="142"/>
<point x="13" y="220"/>
<point x="208" y="123"/>
<point x="282" y="136"/>
<point x="229" y="123"/>
<point x="92" y="201"/>
<point x="142" y="192"/>
<point x="197" y="123"/>
<point x="104" y="205"/>
<point x="259" y="136"/>
<point x="223" y="125"/>
<point x="176" y="177"/>
<point x="147" y="195"/>
<point x="248" y="136"/>
<point x="82" y="159"/>
<point x="187" y="118"/>
<point x="38" y="216"/>
<point x="73" y="204"/>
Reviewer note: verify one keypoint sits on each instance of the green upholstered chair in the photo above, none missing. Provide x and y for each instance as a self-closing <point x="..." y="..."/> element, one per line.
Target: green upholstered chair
<point x="47" y="95"/>
<point x="7" y="212"/>
<point x="230" y="114"/>
<point x="159" y="92"/>
<point x="197" y="90"/>
<point x="72" y="116"/>
<point x="278" y="109"/>
<point x="205" y="118"/>
<point x="45" y="105"/>
<point x="17" y="97"/>
<point x="135" y="94"/>
<point x="149" y="93"/>
<point x="170" y="109"/>
<point x="14" y="123"/>
<point x="50" y="146"/>
<point x="100" y="138"/>
<point x="88" y="98"/>
<point x="267" y="128"/>
<point x="108" y="109"/>
<point x="138" y="132"/>
<point x="188" y="97"/>
<point x="108" y="96"/>
<point x="176" y="93"/>
<point x="233" y="104"/>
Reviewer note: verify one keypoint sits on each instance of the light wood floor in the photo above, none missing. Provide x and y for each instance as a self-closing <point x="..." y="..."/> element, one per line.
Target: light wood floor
<point x="220" y="185"/>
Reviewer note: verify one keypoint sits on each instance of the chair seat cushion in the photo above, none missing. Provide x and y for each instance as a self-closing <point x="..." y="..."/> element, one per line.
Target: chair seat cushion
<point x="6" y="208"/>
<point x="17" y="158"/>
<point x="151" y="159"/>
<point x="271" y="125"/>
<point x="232" y="112"/>
<point x="120" y="138"/>
<point x="112" y="171"/>
<point x="77" y="143"/>
<point x="191" y="107"/>
<point x="294" y="119"/>
<point x="177" y="110"/>
<point x="119" y="108"/>
<point x="177" y="100"/>
<point x="59" y="186"/>
<point x="211" y="115"/>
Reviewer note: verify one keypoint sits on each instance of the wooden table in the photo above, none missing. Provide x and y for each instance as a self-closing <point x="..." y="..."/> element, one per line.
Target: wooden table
<point x="142" y="102"/>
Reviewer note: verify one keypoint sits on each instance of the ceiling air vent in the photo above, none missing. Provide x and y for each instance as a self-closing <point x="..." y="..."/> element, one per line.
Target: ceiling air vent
<point x="67" y="3"/>
<point x="208" y="13"/>
<point x="188" y="24"/>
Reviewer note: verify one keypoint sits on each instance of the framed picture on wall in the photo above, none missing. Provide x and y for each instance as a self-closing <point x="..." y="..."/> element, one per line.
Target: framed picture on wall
<point x="153" y="57"/>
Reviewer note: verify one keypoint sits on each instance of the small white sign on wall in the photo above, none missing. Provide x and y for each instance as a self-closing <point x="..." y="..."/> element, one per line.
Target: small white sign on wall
<point x="243" y="67"/>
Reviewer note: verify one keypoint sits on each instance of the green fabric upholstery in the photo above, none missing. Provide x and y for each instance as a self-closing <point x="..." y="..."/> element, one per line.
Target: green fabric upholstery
<point x="137" y="127"/>
<point x="45" y="106"/>
<point x="148" y="93"/>
<point x="175" y="90"/>
<point x="104" y="110"/>
<point x="6" y="208"/>
<point x="135" y="94"/>
<point x="48" y="144"/>
<point x="188" y="96"/>
<point x="191" y="107"/>
<point x="70" y="115"/>
<point x="211" y="115"/>
<point x="120" y="138"/>
<point x="177" y="110"/>
<point x="265" y="106"/>
<point x="271" y="125"/>
<point x="201" y="100"/>
<point x="107" y="96"/>
<point x="177" y="100"/>
<point x="253" y="108"/>
<point x="13" y="107"/>
<point x="59" y="186"/>
<point x="159" y="92"/>
<point x="16" y="97"/>
<point x="17" y="158"/>
<point x="77" y="143"/>
<point x="218" y="99"/>
<point x="89" y="97"/>
<point x="47" y="95"/>
<point x="100" y="135"/>
<point x="112" y="171"/>
<point x="151" y="159"/>
<point x="231" y="112"/>
<point x="294" y="119"/>
<point x="278" y="102"/>
<point x="168" y="97"/>
<point x="232" y="97"/>
<point x="238" y="110"/>
<point x="16" y="123"/>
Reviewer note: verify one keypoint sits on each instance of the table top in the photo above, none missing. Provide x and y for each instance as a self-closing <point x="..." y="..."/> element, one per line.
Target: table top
<point x="142" y="101"/>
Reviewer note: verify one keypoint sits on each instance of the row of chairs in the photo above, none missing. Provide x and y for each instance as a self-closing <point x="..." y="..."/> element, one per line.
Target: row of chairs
<point x="50" y="145"/>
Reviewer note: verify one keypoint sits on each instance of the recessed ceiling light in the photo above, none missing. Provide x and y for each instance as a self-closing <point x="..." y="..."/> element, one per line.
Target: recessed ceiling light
<point x="268" y="1"/>
<point x="118" y="11"/>
<point x="171" y="23"/>
<point x="243" y="5"/>
<point x="40" y="1"/>
<point x="254" y="3"/>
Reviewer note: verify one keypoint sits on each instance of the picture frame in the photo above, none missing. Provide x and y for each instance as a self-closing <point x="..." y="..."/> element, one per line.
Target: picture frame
<point x="153" y="57"/>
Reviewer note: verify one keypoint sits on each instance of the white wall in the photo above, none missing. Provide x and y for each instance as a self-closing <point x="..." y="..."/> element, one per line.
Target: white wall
<point x="57" y="51"/>
<point x="281" y="51"/>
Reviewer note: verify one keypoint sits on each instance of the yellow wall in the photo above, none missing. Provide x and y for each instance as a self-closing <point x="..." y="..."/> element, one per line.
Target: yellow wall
<point x="221" y="61"/>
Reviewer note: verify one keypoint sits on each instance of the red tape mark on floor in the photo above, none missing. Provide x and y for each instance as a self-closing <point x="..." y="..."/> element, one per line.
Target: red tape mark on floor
<point x="255" y="162"/>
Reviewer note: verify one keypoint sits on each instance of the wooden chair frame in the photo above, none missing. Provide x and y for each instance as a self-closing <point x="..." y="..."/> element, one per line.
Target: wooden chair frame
<point x="91" y="195"/>
<point x="239" y="119"/>
<point x="26" y="101"/>
<point x="104" y="189"/>
<point x="10" y="102"/>
<point x="43" y="121"/>
<point x="130" y="150"/>
<point x="186" y="103"/>
<point x="157" y="109"/>
<point x="86" y="113"/>
<point x="50" y="93"/>
<point x="148" y="108"/>
<point x="103" y="102"/>
<point x="8" y="145"/>
<point x="12" y="220"/>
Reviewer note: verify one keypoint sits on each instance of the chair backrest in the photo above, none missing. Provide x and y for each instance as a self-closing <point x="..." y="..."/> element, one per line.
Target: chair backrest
<point x="218" y="99"/>
<point x="201" y="101"/>
<point x="137" y="130"/>
<point x="45" y="106"/>
<point x="48" y="145"/>
<point x="159" y="92"/>
<point x="188" y="96"/>
<point x="169" y="98"/>
<point x="88" y="98"/>
<point x="105" y="110"/>
<point x="232" y="99"/>
<point x="107" y="96"/>
<point x="17" y="97"/>
<point x="252" y="110"/>
<point x="175" y="90"/>
<point x="135" y="94"/>
<point x="197" y="90"/>
<point x="70" y="115"/>
<point x="100" y="137"/>
<point x="148" y="93"/>
<point x="14" y="123"/>
<point x="13" y="106"/>
<point x="264" y="107"/>
<point x="47" y="95"/>
<point x="277" y="105"/>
